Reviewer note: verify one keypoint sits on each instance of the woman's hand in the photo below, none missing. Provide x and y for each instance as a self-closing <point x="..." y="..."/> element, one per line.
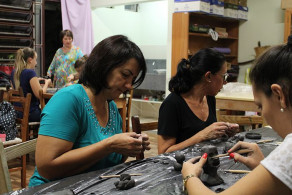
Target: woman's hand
<point x="196" y="169"/>
<point x="48" y="82"/>
<point x="213" y="131"/>
<point x="233" y="128"/>
<point x="252" y="159"/>
<point x="70" y="78"/>
<point x="145" y="141"/>
<point x="127" y="144"/>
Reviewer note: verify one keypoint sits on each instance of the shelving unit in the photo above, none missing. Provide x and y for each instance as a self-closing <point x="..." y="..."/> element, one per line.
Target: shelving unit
<point x="288" y="26"/>
<point x="16" y="30"/>
<point x="185" y="43"/>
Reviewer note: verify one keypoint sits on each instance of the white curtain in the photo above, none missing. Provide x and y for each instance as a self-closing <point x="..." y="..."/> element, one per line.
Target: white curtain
<point x="76" y="16"/>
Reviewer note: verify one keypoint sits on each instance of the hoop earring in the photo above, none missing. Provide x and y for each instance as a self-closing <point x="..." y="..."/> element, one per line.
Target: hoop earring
<point x="282" y="109"/>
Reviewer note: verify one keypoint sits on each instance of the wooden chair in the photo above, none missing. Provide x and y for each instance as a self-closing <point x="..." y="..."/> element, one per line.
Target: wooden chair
<point x="44" y="98"/>
<point x="139" y="127"/>
<point x="21" y="104"/>
<point x="128" y="110"/>
<point x="255" y="121"/>
<point x="9" y="153"/>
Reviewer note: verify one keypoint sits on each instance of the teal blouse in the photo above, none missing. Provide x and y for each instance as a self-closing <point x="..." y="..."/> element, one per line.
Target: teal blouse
<point x="69" y="115"/>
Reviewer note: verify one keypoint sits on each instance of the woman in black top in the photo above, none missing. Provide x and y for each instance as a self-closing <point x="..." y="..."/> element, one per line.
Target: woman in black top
<point x="188" y="115"/>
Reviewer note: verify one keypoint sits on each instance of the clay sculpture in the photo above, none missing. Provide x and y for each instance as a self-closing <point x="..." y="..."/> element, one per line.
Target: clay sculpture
<point x="232" y="141"/>
<point x="253" y="135"/>
<point x="210" y="176"/>
<point x="179" y="157"/>
<point x="125" y="182"/>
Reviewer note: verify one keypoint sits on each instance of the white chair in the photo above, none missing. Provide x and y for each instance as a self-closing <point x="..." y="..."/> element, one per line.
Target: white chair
<point x="9" y="153"/>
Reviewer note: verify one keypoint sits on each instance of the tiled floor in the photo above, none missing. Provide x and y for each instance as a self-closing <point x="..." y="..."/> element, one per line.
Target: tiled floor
<point x="15" y="176"/>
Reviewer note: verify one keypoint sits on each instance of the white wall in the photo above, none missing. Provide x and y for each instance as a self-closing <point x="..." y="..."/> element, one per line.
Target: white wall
<point x="265" y="24"/>
<point x="148" y="27"/>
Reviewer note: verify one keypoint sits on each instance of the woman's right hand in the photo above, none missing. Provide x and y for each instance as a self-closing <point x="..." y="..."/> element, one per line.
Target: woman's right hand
<point x="252" y="159"/>
<point x="127" y="144"/>
<point x="48" y="82"/>
<point x="213" y="131"/>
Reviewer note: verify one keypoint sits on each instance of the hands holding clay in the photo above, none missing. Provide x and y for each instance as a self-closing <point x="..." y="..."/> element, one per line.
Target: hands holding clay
<point x="129" y="144"/>
<point x="252" y="159"/>
<point x="218" y="129"/>
<point x="194" y="167"/>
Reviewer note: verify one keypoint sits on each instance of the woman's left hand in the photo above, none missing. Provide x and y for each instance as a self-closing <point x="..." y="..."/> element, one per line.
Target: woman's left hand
<point x="145" y="141"/>
<point x="196" y="169"/>
<point x="233" y="128"/>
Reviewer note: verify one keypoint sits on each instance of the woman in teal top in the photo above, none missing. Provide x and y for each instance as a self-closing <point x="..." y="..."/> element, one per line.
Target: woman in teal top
<point x="80" y="128"/>
<point x="63" y="62"/>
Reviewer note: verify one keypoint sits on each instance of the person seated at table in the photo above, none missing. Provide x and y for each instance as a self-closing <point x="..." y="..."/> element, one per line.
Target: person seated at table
<point x="81" y="128"/>
<point x="24" y="76"/>
<point x="271" y="79"/>
<point x="79" y="65"/>
<point x="188" y="115"/>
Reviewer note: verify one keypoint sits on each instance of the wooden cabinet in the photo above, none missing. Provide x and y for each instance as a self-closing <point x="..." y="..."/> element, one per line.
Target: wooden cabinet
<point x="186" y="43"/>
<point x="288" y="26"/>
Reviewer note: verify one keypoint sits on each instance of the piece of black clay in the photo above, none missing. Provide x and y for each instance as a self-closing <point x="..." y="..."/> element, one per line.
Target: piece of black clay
<point x="179" y="157"/>
<point x="124" y="185"/>
<point x="124" y="177"/>
<point x="156" y="160"/>
<point x="219" y="190"/>
<point x="253" y="135"/>
<point x="210" y="176"/>
<point x="177" y="166"/>
<point x="228" y="146"/>
<point x="164" y="162"/>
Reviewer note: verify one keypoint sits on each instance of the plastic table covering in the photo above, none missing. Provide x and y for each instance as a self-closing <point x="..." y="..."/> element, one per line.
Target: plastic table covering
<point x="158" y="174"/>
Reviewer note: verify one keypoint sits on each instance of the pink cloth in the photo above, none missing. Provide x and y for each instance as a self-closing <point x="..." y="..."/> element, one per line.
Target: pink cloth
<point x="76" y="16"/>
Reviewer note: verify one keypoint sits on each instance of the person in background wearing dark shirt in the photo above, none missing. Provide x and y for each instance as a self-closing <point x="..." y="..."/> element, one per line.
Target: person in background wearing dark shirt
<point x="188" y="115"/>
<point x="24" y="76"/>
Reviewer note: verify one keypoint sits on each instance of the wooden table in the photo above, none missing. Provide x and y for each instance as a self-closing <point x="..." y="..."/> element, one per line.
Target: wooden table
<point x="158" y="175"/>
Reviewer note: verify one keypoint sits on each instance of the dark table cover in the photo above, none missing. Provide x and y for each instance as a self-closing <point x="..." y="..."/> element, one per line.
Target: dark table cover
<point x="158" y="174"/>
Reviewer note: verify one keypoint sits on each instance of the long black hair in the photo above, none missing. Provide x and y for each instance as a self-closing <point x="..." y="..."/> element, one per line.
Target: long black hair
<point x="274" y="66"/>
<point x="190" y="72"/>
<point x="107" y="55"/>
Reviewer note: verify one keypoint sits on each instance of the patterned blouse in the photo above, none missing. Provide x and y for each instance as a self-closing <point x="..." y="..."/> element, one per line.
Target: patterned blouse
<point x="63" y="65"/>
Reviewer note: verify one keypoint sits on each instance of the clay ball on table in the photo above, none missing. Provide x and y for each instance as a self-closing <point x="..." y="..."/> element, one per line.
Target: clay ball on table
<point x="124" y="185"/>
<point x="177" y="166"/>
<point x="179" y="157"/>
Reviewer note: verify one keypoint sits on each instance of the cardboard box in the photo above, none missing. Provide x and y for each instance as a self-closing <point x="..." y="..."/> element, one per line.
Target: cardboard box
<point x="192" y="6"/>
<point x="230" y="10"/>
<point x="285" y="4"/>
<point x="217" y="7"/>
<point x="243" y="3"/>
<point x="242" y="13"/>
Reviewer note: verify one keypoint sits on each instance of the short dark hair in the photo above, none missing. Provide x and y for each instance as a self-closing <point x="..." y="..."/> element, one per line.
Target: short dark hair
<point x="67" y="33"/>
<point x="274" y="66"/>
<point x="190" y="72"/>
<point x="107" y="55"/>
<point x="80" y="61"/>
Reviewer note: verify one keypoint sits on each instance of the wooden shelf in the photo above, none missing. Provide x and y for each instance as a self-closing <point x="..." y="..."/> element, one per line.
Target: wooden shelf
<point x="207" y="35"/>
<point x="185" y="42"/>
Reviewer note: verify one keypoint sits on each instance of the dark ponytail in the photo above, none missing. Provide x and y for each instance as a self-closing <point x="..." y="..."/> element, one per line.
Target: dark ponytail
<point x="190" y="72"/>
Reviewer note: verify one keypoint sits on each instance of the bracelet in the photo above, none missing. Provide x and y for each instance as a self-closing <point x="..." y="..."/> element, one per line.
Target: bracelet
<point x="185" y="181"/>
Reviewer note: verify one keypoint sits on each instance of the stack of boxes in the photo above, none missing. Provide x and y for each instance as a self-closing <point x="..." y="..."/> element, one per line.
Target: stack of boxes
<point x="236" y="9"/>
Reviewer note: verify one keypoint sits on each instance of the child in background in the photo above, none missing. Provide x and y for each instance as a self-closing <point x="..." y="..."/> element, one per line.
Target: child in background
<point x="79" y="64"/>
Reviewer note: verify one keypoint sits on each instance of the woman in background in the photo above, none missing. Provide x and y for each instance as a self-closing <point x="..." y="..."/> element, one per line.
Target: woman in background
<point x="271" y="79"/>
<point x="188" y="115"/>
<point x="24" y="76"/>
<point x="63" y="62"/>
